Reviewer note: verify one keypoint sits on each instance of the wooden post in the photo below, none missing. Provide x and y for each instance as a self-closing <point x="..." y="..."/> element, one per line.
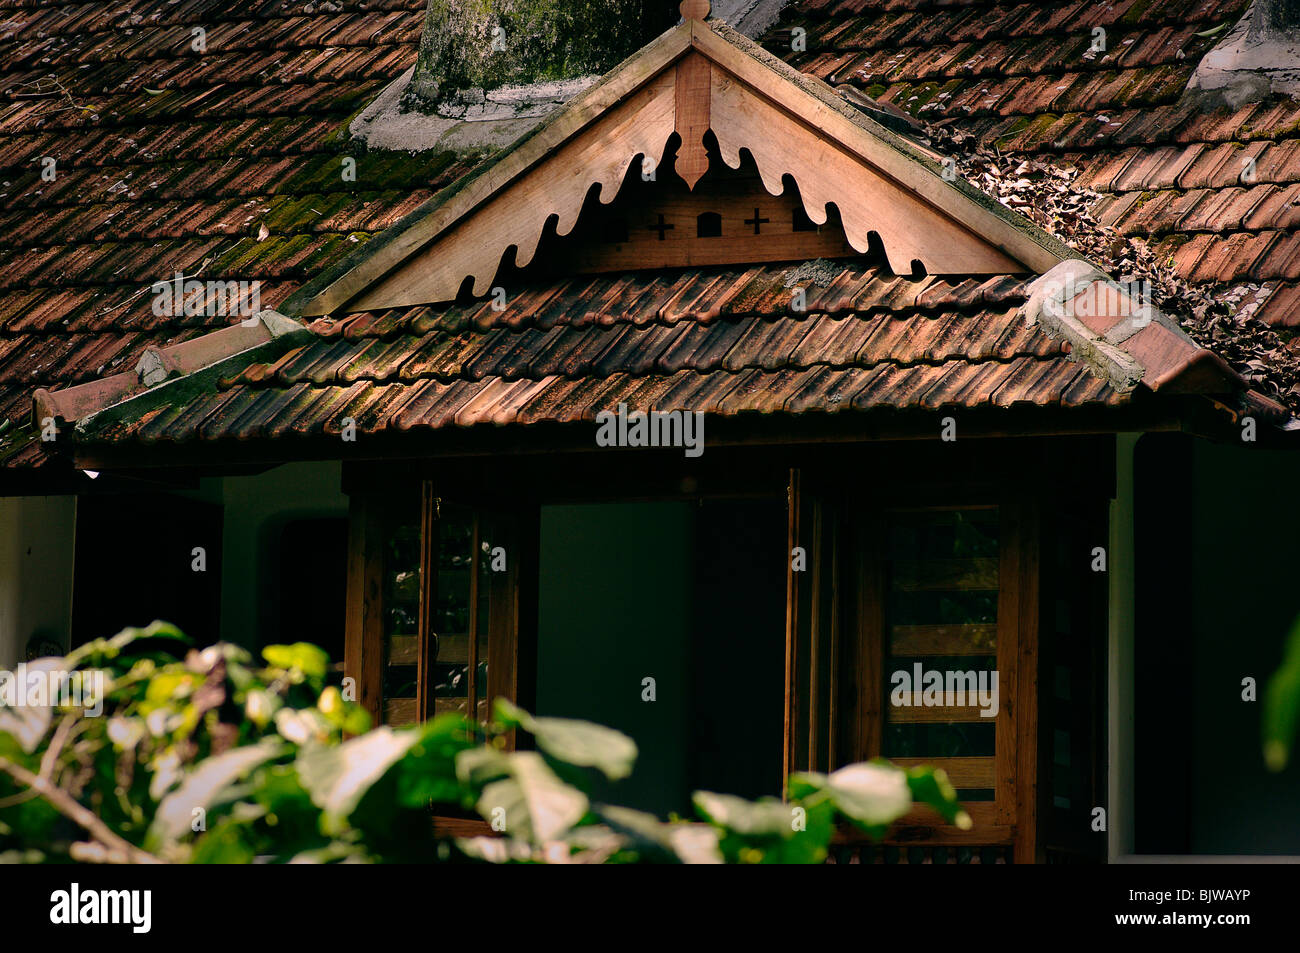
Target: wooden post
<point x="512" y="607"/>
<point x="816" y="580"/>
<point x="427" y="644"/>
<point x="363" y="654"/>
<point x="471" y="687"/>
<point x="868" y="654"/>
<point x="791" y="627"/>
<point x="1028" y="849"/>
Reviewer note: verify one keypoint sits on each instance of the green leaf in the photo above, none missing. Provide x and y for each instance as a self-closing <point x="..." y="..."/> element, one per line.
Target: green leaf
<point x="1281" y="708"/>
<point x="1215" y="31"/>
<point x="428" y="773"/>
<point x="302" y="726"/>
<point x="290" y="819"/>
<point x="766" y="817"/>
<point x="167" y="687"/>
<point x="872" y="794"/>
<point x="768" y="831"/>
<point x="26" y="724"/>
<point x="300" y="657"/>
<point x="480" y="766"/>
<point x="335" y="852"/>
<point x="101" y="651"/>
<point x="338" y="777"/>
<point x="682" y="843"/>
<point x="579" y="743"/>
<point x="21" y="857"/>
<point x="931" y="786"/>
<point x="205" y="785"/>
<point x="224" y="844"/>
<point x="495" y="850"/>
<point x="537" y="805"/>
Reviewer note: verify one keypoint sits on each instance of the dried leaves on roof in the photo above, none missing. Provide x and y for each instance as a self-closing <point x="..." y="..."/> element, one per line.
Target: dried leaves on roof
<point x="1219" y="317"/>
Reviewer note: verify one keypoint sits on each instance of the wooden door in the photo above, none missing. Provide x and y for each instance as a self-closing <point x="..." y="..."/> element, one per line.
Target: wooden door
<point x="890" y="599"/>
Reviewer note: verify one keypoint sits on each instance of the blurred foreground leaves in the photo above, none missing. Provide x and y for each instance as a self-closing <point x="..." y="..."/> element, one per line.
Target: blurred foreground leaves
<point x="211" y="756"/>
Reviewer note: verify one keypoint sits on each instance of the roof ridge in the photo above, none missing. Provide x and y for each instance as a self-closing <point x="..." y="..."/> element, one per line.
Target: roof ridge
<point x="191" y="362"/>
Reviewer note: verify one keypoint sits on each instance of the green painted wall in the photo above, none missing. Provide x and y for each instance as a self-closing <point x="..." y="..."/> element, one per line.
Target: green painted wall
<point x="1246" y="596"/>
<point x="1218" y="552"/>
<point x="615" y="608"/>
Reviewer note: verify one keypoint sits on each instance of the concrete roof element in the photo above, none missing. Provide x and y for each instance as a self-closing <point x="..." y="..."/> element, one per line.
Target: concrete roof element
<point x="1120" y="336"/>
<point x="262" y="336"/>
<point x="1256" y="59"/>
<point x="501" y="117"/>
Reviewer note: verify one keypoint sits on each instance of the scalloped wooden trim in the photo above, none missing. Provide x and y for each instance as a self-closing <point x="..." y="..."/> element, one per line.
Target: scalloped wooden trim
<point x="909" y="229"/>
<point x="517" y="216"/>
<point x="689" y="81"/>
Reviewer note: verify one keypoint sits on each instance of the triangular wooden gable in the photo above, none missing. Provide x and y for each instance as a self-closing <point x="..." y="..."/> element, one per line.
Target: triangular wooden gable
<point x="693" y="79"/>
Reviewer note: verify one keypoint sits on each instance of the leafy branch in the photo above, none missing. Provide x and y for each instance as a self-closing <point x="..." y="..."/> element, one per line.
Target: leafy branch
<point x="206" y="756"/>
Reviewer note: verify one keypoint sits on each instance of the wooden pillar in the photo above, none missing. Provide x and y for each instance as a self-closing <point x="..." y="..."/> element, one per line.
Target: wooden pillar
<point x="792" y="586"/>
<point x="426" y="645"/>
<point x="512" y="606"/>
<point x="363" y="654"/>
<point x="1018" y="608"/>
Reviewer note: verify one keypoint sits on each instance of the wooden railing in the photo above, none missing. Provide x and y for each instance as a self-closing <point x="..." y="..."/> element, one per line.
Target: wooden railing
<point x="869" y="853"/>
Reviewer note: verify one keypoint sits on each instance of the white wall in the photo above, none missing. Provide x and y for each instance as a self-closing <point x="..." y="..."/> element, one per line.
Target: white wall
<point x="36" y="559"/>
<point x="37" y="548"/>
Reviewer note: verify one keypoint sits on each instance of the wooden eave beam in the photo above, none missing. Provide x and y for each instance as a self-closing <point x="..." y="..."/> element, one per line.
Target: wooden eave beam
<point x="752" y="430"/>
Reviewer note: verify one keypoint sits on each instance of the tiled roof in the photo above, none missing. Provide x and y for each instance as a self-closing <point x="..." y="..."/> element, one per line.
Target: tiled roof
<point x="1023" y="76"/>
<point x="226" y="165"/>
<point x="722" y="341"/>
<point x="170" y="160"/>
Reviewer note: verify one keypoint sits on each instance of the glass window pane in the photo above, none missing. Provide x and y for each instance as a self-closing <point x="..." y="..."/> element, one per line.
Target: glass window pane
<point x="941" y="652"/>
<point x="401" y="612"/>
<point x="451" y="618"/>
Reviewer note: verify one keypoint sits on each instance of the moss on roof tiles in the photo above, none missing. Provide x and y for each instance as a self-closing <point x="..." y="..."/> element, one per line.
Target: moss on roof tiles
<point x="1136" y="12"/>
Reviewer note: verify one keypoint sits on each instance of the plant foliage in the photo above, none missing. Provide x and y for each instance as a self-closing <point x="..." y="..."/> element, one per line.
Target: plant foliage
<point x="211" y="756"/>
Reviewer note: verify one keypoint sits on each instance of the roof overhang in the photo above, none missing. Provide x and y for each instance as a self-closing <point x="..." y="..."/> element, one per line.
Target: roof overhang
<point x="695" y="79"/>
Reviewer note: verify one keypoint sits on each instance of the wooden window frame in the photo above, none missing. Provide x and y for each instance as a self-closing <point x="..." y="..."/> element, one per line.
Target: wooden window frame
<point x="1010" y="817"/>
<point x="835" y="622"/>
<point x="506" y="640"/>
<point x="1010" y="481"/>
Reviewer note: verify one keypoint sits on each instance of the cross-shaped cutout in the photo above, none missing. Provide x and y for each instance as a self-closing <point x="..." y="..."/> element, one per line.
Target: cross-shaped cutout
<point x="660" y="227"/>
<point x="757" y="222"/>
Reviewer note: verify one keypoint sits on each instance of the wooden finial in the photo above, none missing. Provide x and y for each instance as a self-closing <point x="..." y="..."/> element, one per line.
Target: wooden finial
<point x="694" y="9"/>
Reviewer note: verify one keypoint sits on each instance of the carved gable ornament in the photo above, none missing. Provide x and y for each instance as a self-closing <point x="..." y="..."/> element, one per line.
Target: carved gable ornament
<point x="694" y="80"/>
